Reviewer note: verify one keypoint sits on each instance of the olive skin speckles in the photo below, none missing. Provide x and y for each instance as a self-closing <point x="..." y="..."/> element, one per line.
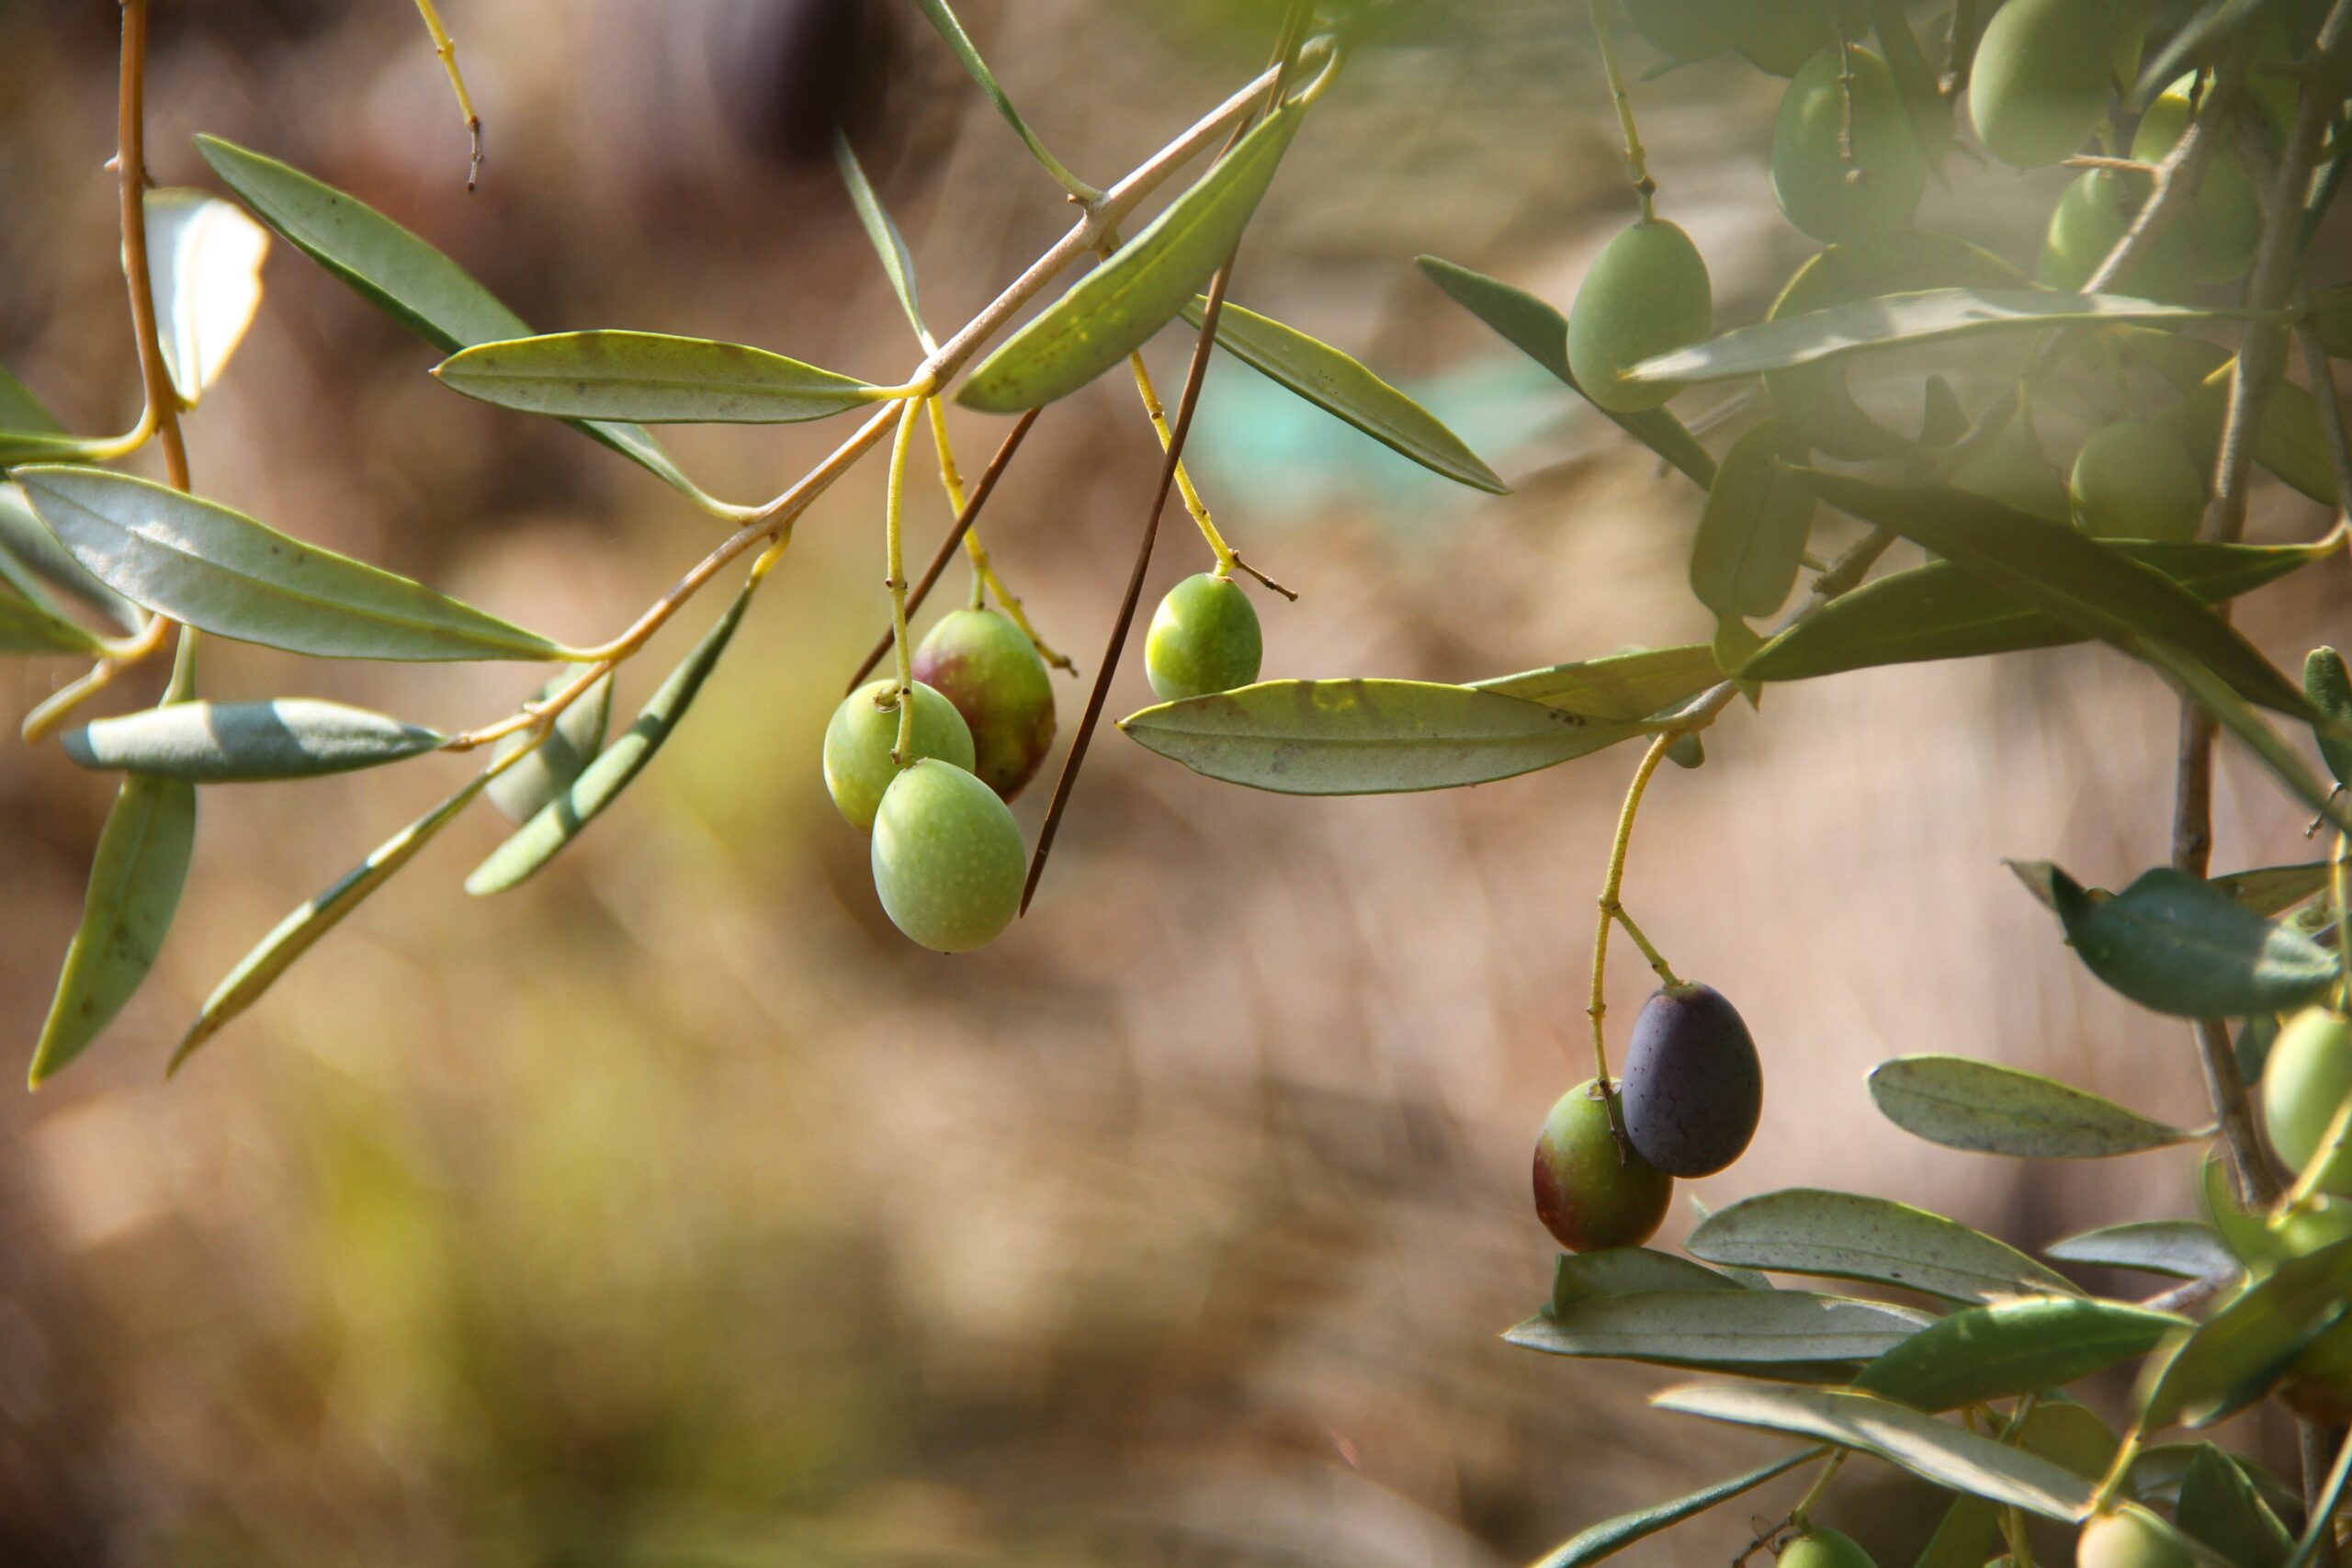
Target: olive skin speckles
<point x="1693" y="1086"/>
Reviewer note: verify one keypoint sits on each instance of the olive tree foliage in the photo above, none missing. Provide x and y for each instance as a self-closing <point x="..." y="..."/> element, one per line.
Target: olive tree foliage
<point x="1852" y="511"/>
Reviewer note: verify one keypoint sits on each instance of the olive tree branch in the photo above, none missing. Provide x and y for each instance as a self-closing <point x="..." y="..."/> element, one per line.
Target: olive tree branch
<point x="447" y="47"/>
<point x="985" y="581"/>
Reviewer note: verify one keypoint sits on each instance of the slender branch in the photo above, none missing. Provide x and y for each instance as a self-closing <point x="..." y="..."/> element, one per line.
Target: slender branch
<point x="1611" y="887"/>
<point x="1637" y="160"/>
<point x="893" y="531"/>
<point x="985" y="581"/>
<point x="447" y="47"/>
<point x="1194" y="504"/>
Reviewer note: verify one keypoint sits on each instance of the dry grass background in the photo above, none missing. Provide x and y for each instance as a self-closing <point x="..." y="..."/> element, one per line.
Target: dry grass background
<point x="672" y="1209"/>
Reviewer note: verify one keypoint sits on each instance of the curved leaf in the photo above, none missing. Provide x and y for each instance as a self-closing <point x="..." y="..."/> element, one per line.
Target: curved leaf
<point x="26" y="541"/>
<point x="2233" y="1358"/>
<point x="1342" y="387"/>
<point x="1618" y="685"/>
<point x="2157" y="1476"/>
<point x="650" y="377"/>
<point x="204" y="259"/>
<point x="1939" y="611"/>
<point x="2016" y="1346"/>
<point x="2272" y="890"/>
<point x="1721" y="1328"/>
<point x="968" y="54"/>
<point x="578" y="735"/>
<point x="2180" y="945"/>
<point x="2221" y="1507"/>
<point x="2328" y="684"/>
<point x="291" y="737"/>
<point x="1934" y="1450"/>
<point x="1966" y="1105"/>
<point x="1629" y="1271"/>
<point x="203" y="564"/>
<point x="891" y="246"/>
<point x="2186" y="1249"/>
<point x="1848" y="1235"/>
<point x="1363" y="736"/>
<point x="135" y="882"/>
<point x="1541" y="333"/>
<point x="1753" y="529"/>
<point x="299" y="931"/>
<point x="1613" y="1536"/>
<point x="562" y="821"/>
<point x="30" y="623"/>
<point x="1114" y="309"/>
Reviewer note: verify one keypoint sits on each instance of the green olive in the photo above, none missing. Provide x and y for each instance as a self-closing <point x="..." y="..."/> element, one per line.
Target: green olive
<point x="1824" y="191"/>
<point x="2131" y="1537"/>
<point x="859" y="738"/>
<point x="1590" y="1192"/>
<point x="1204" y="639"/>
<point x="2215" y="239"/>
<point x="2092" y="216"/>
<point x="2135" y="481"/>
<point x="948" y="859"/>
<point x="2040" y="83"/>
<point x="1822" y="1547"/>
<point x="1645" y="294"/>
<point x="990" y="670"/>
<point x="2307" y="1078"/>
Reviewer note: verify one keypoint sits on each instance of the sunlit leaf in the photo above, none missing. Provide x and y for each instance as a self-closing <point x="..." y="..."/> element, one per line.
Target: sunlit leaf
<point x="1113" y="310"/>
<point x="1365" y="737"/>
<point x="1613" y="1536"/>
<point x="1618" y="685"/>
<point x="2186" y="1249"/>
<point x="2177" y="945"/>
<point x="204" y="259"/>
<point x="1541" y="333"/>
<point x="1934" y="1450"/>
<point x="300" y="930"/>
<point x="291" y="737"/>
<point x="1341" y="386"/>
<point x="1752" y="531"/>
<point x="1731" y="1328"/>
<point x="2014" y="1347"/>
<point x="889" y="245"/>
<point x="969" y="55"/>
<point x="1629" y="1271"/>
<point x="26" y="541"/>
<point x="651" y="378"/>
<point x="1850" y="1235"/>
<point x="571" y="745"/>
<point x="2235" y="1357"/>
<point x="559" y="821"/>
<point x="1966" y="1105"/>
<point x="135" y="882"/>
<point x="203" y="564"/>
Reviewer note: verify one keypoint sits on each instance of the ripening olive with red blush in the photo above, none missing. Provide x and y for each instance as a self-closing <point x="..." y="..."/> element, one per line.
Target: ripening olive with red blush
<point x="1591" y="1192"/>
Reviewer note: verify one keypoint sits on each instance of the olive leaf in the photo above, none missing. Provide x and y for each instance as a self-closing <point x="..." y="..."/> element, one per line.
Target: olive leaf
<point x="289" y="737"/>
<point x="1366" y="737"/>
<point x="1966" y="1105"/>
<point x="203" y="564"/>
<point x="20" y="410"/>
<point x="31" y="623"/>
<point x="1113" y="310"/>
<point x="1613" y="1536"/>
<point x="2329" y="686"/>
<point x="1752" y="530"/>
<point x="135" y="882"/>
<point x="1617" y="687"/>
<point x="898" y="262"/>
<point x="1773" y="1332"/>
<point x="562" y="819"/>
<point x="26" y="543"/>
<point x="2272" y="890"/>
<point x="1541" y="333"/>
<point x="301" y="931"/>
<point x="969" y="55"/>
<point x="1939" y="611"/>
<point x="2235" y="1356"/>
<point x="1629" y="1271"/>
<point x="1341" y="386"/>
<point x="2221" y="1507"/>
<point x="1850" y="1235"/>
<point x="2218" y="696"/>
<point x="2014" y="1347"/>
<point x="2330" y="318"/>
<point x="401" y="275"/>
<point x="2186" y="1249"/>
<point x="2177" y="945"/>
<point x="2161" y="1470"/>
<point x="1914" y="81"/>
<point x="521" y="788"/>
<point x="1934" y="1450"/>
<point x="204" y="260"/>
<point x="651" y="378"/>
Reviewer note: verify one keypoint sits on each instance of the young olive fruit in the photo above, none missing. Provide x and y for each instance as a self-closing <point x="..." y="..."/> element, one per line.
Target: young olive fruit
<point x="2135" y="481"/>
<point x="858" y="765"/>
<point x="2040" y="83"/>
<point x="1822" y="1547"/>
<point x="1823" y="191"/>
<point x="1590" y="1192"/>
<point x="2131" y="1537"/>
<point x="2214" y="241"/>
<point x="2092" y="216"/>
<point x="948" y="861"/>
<point x="1645" y="294"/>
<point x="2308" y="1076"/>
<point x="990" y="670"/>
<point x="1204" y="639"/>
<point x="1692" y="1085"/>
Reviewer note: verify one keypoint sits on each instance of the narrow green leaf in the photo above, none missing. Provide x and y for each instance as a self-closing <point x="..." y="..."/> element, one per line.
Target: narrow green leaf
<point x="20" y="410"/>
<point x="25" y="541"/>
<point x="2056" y="1429"/>
<point x="1342" y="387"/>
<point x="1934" y="1450"/>
<point x="889" y="245"/>
<point x="2235" y="1357"/>
<point x="2247" y="1236"/>
<point x="291" y="737"/>
<point x="562" y="821"/>
<point x="2331" y="315"/>
<point x="1623" y="686"/>
<point x="1849" y="1236"/>
<point x="2186" y="1249"/>
<point x="204" y="257"/>
<point x="1905" y="321"/>
<point x="301" y="931"/>
<point x="2081" y="581"/>
<point x="1966" y="1105"/>
<point x="2014" y="1347"/>
<point x="2179" y="945"/>
<point x="2272" y="890"/>
<point x="1366" y="737"/>
<point x="1707" y="1329"/>
<point x="1541" y="333"/>
<point x="30" y="623"/>
<point x="651" y="378"/>
<point x="969" y="55"/>
<point x="135" y="882"/>
<point x="2218" y="697"/>
<point x="578" y="735"/>
<point x="1753" y="529"/>
<point x="1613" y="1536"/>
<point x="2160" y="1470"/>
<point x="2329" y="686"/>
<point x="1939" y="611"/>
<point x="203" y="564"/>
<point x="401" y="275"/>
<point x="1915" y="82"/>
<point x="1113" y="310"/>
<point x="1629" y="1271"/>
<point x="2221" y="1507"/>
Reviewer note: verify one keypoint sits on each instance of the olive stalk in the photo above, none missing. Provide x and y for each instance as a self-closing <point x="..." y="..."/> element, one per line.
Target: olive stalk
<point x="894" y="509"/>
<point x="984" y="578"/>
<point x="1637" y="160"/>
<point x="445" y="49"/>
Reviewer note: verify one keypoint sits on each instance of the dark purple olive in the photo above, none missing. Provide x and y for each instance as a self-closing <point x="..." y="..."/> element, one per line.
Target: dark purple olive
<point x="1693" y="1086"/>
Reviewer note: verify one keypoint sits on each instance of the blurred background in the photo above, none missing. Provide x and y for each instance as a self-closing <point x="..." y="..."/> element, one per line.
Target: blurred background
<point x="673" y="1209"/>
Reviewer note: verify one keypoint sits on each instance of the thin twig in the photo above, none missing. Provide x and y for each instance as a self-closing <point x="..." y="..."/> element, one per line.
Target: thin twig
<point x="447" y="47"/>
